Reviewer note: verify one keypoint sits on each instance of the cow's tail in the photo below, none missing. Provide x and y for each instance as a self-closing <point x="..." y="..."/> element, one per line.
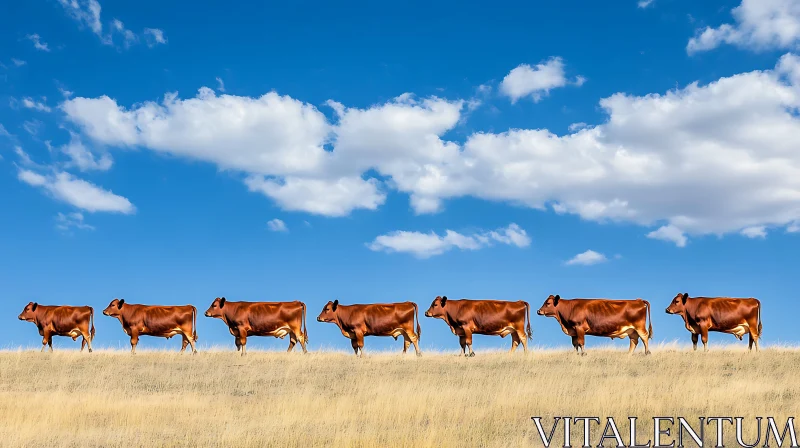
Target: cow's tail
<point x="194" y="323"/>
<point x="649" y="328"/>
<point x="91" y="321"/>
<point x="759" y="317"/>
<point x="305" y="326"/>
<point x="529" y="333"/>
<point x="416" y="315"/>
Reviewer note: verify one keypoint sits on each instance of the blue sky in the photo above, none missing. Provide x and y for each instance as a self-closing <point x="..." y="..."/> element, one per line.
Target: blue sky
<point x="372" y="153"/>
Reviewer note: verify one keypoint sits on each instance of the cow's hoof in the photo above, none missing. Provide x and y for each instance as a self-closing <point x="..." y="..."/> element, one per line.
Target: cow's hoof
<point x="472" y="355"/>
<point x="419" y="355"/>
<point x="90" y="350"/>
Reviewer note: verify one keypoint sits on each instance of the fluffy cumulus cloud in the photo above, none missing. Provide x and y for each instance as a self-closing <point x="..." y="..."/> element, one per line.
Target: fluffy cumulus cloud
<point x="82" y="158"/>
<point x="425" y="245"/>
<point x="587" y="258"/>
<point x="77" y="192"/>
<point x="702" y="159"/>
<point x="277" y="225"/>
<point x="87" y="14"/>
<point x="758" y="25"/>
<point x="536" y="81"/>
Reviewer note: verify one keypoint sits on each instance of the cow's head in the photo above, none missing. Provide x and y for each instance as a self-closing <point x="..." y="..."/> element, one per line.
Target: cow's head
<point x="114" y="309"/>
<point x="28" y="314"/>
<point x="549" y="306"/>
<point x="678" y="304"/>
<point x="215" y="310"/>
<point x="437" y="307"/>
<point x="328" y="313"/>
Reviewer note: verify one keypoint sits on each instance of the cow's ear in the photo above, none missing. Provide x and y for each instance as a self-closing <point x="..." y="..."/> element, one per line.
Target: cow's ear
<point x="443" y="301"/>
<point x="556" y="299"/>
<point x="335" y="305"/>
<point x="35" y="305"/>
<point x="685" y="296"/>
<point x="222" y="302"/>
<point x="120" y="303"/>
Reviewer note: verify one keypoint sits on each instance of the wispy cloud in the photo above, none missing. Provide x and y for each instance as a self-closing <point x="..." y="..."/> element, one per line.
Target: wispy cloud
<point x="37" y="42"/>
<point x="277" y="225"/>
<point x="67" y="221"/>
<point x="425" y="245"/>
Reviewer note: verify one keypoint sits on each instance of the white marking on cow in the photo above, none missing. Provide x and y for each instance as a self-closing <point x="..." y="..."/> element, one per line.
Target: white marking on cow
<point x="741" y="330"/>
<point x="623" y="332"/>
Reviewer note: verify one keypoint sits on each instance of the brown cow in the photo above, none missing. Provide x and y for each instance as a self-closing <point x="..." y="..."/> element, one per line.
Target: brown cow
<point x="262" y="319"/>
<point x="161" y="321"/>
<point x="379" y="319"/>
<point x="72" y="321"/>
<point x="724" y="314"/>
<point x="490" y="317"/>
<point x="601" y="317"/>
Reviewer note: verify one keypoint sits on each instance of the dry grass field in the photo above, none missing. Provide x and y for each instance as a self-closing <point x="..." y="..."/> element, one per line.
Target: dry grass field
<point x="217" y="398"/>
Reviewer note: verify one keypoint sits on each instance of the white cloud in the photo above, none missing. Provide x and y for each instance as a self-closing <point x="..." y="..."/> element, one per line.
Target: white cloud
<point x="87" y="13"/>
<point x="587" y="258"/>
<point x="32" y="126"/>
<point x="645" y="3"/>
<point x="30" y="103"/>
<point x="18" y="62"/>
<point x="755" y="232"/>
<point x="577" y="126"/>
<point x="128" y="36"/>
<point x="669" y="233"/>
<point x="536" y="81"/>
<point x="758" y="25"/>
<point x="277" y="225"/>
<point x="3" y="131"/>
<point x="77" y="192"/>
<point x="325" y="197"/>
<point x="154" y="36"/>
<point x="37" y="42"/>
<point x="24" y="158"/>
<point x="66" y="93"/>
<point x="82" y="158"/>
<point x="698" y="160"/>
<point x="793" y="227"/>
<point x="220" y="84"/>
<point x="66" y="221"/>
<point x="425" y="245"/>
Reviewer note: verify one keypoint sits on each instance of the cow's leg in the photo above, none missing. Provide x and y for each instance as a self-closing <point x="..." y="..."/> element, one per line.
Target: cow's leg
<point x="514" y="341"/>
<point x="580" y="338"/>
<point x="134" y="341"/>
<point x="238" y="344"/>
<point x="523" y="338"/>
<point x="575" y="344"/>
<point x="302" y="340"/>
<point x="406" y="343"/>
<point x="243" y="339"/>
<point x="695" y="337"/>
<point x="634" y="337"/>
<point x="753" y="338"/>
<point x="292" y="342"/>
<point x="184" y="343"/>
<point x="47" y="340"/>
<point x="645" y="338"/>
<point x="463" y="341"/>
<point x="360" y="343"/>
<point x="704" y="338"/>
<point x="468" y="341"/>
<point x="86" y="340"/>
<point x="354" y="344"/>
<point x="83" y="344"/>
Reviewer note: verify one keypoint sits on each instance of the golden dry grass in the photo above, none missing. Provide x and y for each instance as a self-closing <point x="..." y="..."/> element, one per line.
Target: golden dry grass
<point x="217" y="398"/>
